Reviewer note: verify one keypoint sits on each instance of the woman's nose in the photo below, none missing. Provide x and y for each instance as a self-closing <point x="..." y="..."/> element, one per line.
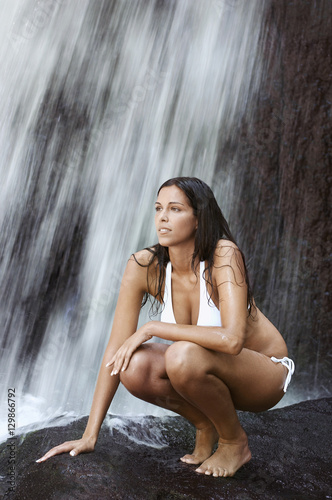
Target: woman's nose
<point x="164" y="216"/>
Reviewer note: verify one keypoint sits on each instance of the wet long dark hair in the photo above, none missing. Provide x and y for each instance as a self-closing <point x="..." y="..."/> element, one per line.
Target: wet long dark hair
<point x="212" y="227"/>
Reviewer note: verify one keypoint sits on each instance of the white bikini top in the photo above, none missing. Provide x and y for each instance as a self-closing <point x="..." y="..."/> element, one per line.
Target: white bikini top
<point x="209" y="314"/>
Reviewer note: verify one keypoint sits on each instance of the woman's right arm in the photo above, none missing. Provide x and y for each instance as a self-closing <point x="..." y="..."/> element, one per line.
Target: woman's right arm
<point x="133" y="287"/>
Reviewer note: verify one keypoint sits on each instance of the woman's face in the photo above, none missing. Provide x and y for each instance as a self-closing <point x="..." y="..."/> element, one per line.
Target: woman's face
<point x="175" y="220"/>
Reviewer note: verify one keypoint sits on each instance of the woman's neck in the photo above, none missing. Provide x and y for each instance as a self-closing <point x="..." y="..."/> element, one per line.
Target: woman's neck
<point x="181" y="259"/>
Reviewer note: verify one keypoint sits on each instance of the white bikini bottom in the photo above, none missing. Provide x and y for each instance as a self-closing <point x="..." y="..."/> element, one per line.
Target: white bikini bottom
<point x="289" y="363"/>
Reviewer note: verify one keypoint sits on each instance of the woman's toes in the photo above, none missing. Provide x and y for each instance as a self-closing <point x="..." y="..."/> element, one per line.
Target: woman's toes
<point x="189" y="459"/>
<point x="203" y="470"/>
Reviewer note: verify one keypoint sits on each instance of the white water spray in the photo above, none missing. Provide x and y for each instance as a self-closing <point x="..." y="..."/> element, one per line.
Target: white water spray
<point x="101" y="103"/>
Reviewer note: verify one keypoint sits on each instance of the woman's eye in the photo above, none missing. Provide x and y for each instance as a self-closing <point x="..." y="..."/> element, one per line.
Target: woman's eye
<point x="175" y="209"/>
<point x="157" y="209"/>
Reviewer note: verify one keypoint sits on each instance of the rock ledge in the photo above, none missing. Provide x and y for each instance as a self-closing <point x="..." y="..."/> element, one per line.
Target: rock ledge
<point x="137" y="458"/>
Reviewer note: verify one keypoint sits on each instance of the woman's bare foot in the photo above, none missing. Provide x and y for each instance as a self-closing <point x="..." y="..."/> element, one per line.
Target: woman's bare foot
<point x="227" y="459"/>
<point x="206" y="438"/>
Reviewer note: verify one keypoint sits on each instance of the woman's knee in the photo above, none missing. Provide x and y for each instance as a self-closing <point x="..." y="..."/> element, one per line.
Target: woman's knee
<point x="146" y="366"/>
<point x="183" y="361"/>
<point x="136" y="374"/>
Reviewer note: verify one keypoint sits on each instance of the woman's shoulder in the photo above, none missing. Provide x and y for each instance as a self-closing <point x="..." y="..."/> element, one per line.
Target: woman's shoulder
<point x="224" y="247"/>
<point x="140" y="262"/>
<point x="228" y="255"/>
<point x="143" y="258"/>
<point x="139" y="271"/>
<point x="134" y="275"/>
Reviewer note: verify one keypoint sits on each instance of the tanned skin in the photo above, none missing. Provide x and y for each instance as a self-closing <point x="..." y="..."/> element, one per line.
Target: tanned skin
<point x="208" y="372"/>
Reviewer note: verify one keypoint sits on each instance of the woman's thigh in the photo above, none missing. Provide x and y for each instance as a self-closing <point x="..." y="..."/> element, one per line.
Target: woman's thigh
<point x="254" y="381"/>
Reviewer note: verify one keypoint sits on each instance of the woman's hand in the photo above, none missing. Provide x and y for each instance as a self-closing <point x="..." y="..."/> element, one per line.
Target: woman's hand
<point x="121" y="358"/>
<point x="83" y="445"/>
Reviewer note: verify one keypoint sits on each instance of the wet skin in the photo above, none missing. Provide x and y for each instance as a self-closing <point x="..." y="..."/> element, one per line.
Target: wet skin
<point x="208" y="372"/>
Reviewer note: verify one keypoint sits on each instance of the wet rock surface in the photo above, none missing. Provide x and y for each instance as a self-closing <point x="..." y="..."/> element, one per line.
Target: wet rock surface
<point x="291" y="450"/>
<point x="286" y="187"/>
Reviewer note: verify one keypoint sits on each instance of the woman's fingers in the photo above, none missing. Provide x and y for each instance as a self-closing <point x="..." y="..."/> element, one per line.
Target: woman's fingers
<point x="62" y="448"/>
<point x="118" y="361"/>
<point x="118" y="364"/>
<point x="114" y="357"/>
<point x="121" y="359"/>
<point x="126" y="360"/>
<point x="126" y="357"/>
<point x="83" y="445"/>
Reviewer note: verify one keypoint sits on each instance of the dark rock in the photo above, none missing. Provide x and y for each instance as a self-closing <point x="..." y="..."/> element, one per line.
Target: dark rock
<point x="291" y="450"/>
<point x="283" y="211"/>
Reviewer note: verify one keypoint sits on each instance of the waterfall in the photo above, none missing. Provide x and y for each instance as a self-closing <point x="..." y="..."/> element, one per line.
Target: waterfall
<point x="101" y="102"/>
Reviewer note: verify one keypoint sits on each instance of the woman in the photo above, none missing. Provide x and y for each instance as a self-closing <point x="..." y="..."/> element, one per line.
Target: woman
<point x="225" y="354"/>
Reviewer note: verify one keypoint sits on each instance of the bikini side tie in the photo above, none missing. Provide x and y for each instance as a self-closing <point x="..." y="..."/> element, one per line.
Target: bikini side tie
<point x="290" y="365"/>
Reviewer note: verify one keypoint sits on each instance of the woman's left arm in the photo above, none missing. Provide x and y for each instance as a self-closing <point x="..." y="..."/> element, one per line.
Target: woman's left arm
<point x="229" y="279"/>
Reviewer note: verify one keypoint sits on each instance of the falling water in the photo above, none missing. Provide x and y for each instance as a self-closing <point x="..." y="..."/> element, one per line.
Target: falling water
<point x="101" y="102"/>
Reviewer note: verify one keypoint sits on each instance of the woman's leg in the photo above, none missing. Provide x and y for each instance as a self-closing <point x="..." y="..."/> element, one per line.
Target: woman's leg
<point x="146" y="378"/>
<point x="216" y="384"/>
